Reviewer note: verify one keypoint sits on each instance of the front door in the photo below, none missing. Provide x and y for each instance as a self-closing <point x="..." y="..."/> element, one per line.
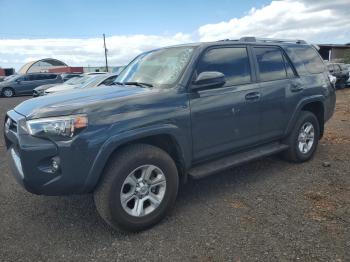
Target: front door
<point x="226" y="118"/>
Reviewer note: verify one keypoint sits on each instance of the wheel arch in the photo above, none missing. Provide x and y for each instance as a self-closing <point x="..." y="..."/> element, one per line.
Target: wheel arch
<point x="165" y="137"/>
<point x="314" y="104"/>
<point x="317" y="108"/>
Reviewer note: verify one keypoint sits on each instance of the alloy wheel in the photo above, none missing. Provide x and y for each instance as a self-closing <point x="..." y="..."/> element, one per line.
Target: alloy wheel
<point x="306" y="137"/>
<point x="143" y="190"/>
<point x="8" y="92"/>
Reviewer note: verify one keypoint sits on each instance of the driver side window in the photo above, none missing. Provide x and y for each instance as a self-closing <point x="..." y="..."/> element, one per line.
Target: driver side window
<point x="23" y="78"/>
<point x="233" y="62"/>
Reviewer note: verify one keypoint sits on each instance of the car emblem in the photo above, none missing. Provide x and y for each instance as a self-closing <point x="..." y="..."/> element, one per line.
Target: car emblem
<point x="7" y="125"/>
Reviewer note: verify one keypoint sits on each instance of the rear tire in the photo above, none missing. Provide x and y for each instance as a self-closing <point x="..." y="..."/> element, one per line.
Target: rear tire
<point x="134" y="175"/>
<point x="8" y="92"/>
<point x="303" y="139"/>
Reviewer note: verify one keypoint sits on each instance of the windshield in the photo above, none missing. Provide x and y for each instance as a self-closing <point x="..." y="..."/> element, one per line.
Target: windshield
<point x="77" y="80"/>
<point x="11" y="77"/>
<point x="160" y="68"/>
<point x="93" y="81"/>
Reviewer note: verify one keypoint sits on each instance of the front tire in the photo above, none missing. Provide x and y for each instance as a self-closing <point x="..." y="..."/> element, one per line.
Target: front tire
<point x="138" y="188"/>
<point x="8" y="92"/>
<point x="303" y="139"/>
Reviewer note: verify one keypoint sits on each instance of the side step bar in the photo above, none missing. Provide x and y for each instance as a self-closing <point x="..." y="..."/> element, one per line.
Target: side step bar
<point x="221" y="164"/>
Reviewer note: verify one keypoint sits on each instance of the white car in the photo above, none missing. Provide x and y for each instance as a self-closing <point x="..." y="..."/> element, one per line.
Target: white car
<point x="88" y="81"/>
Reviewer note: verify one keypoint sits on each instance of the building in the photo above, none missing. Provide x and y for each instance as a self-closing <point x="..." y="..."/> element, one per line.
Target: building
<point x="333" y="52"/>
<point x="67" y="69"/>
<point x="6" y="71"/>
<point x="42" y="65"/>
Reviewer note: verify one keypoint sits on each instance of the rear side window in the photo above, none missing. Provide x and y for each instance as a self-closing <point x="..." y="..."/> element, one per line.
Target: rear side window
<point x="33" y="77"/>
<point x="271" y="63"/>
<point x="51" y="76"/>
<point x="47" y="76"/>
<point x="306" y="59"/>
<point x="233" y="62"/>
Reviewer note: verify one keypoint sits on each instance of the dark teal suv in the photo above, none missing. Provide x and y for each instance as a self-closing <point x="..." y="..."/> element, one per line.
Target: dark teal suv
<point x="173" y="113"/>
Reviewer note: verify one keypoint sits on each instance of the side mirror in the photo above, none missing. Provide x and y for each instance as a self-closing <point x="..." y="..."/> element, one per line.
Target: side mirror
<point x="208" y="79"/>
<point x="18" y="81"/>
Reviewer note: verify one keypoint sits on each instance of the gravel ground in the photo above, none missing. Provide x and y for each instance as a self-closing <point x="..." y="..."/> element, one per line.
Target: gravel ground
<point x="268" y="210"/>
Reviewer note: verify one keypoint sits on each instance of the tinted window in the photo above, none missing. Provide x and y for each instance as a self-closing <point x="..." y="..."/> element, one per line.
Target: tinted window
<point x="109" y="80"/>
<point x="271" y="63"/>
<point x="309" y="58"/>
<point x="51" y="76"/>
<point x="233" y="62"/>
<point x="23" y="78"/>
<point x="33" y="77"/>
<point x="42" y="77"/>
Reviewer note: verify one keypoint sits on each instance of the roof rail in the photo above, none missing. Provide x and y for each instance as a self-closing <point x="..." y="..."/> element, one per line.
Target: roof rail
<point x="272" y="40"/>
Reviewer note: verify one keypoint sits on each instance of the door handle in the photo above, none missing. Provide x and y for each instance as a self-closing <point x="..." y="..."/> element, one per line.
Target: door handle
<point x="254" y="96"/>
<point x="296" y="87"/>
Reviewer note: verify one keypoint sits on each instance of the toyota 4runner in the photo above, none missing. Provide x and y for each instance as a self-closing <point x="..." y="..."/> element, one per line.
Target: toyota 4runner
<point x="173" y="113"/>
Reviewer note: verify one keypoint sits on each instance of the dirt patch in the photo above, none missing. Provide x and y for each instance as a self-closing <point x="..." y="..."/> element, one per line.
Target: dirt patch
<point x="332" y="137"/>
<point x="322" y="208"/>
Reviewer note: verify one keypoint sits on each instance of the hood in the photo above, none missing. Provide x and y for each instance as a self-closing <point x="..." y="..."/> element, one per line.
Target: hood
<point x="44" y="87"/>
<point x="77" y="101"/>
<point x="62" y="87"/>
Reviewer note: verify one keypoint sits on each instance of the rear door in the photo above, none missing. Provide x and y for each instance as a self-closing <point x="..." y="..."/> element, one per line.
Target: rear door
<point x="43" y="79"/>
<point x="27" y="84"/>
<point x="274" y="74"/>
<point x="226" y="118"/>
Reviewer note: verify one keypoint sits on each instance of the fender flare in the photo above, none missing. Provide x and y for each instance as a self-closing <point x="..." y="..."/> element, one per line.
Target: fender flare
<point x="300" y="105"/>
<point x="118" y="140"/>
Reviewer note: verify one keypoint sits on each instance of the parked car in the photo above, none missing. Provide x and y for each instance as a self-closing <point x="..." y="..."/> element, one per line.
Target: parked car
<point x="71" y="83"/>
<point x="24" y="84"/>
<point x="95" y="73"/>
<point x="91" y="81"/>
<point x="67" y="76"/>
<point x="341" y="72"/>
<point x="347" y="66"/>
<point x="173" y="113"/>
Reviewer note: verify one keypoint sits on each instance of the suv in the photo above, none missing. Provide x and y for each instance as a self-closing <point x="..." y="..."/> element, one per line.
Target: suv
<point x="173" y="113"/>
<point x="24" y="84"/>
<point x="341" y="72"/>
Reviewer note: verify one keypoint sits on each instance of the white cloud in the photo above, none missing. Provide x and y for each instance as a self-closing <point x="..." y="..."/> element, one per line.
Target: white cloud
<point x="83" y="52"/>
<point x="315" y="21"/>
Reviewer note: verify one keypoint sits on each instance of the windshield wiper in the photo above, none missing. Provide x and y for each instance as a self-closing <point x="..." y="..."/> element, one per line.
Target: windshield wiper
<point x="141" y="84"/>
<point x="117" y="83"/>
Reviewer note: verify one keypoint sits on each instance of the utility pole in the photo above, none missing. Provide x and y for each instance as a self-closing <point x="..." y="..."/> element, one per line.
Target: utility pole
<point x="104" y="43"/>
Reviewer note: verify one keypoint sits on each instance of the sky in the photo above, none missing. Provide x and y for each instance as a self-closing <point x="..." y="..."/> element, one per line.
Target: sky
<point x="72" y="30"/>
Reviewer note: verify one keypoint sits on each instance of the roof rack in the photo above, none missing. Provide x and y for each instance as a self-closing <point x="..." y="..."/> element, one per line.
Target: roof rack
<point x="271" y="40"/>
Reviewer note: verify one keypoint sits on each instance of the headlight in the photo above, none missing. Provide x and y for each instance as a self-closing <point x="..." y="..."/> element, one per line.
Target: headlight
<point x="65" y="126"/>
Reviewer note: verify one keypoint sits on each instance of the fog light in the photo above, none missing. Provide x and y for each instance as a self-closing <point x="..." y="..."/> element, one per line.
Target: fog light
<point x="55" y="164"/>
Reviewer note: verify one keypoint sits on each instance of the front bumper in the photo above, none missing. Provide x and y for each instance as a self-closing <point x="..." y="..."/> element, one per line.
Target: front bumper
<point x="37" y="93"/>
<point x="30" y="159"/>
